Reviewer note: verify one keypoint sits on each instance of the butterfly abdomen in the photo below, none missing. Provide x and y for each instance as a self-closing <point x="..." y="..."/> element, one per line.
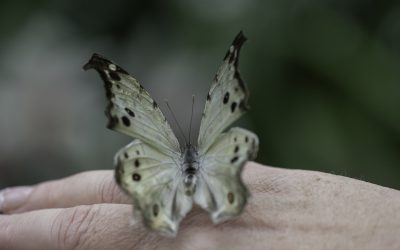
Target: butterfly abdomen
<point x="190" y="169"/>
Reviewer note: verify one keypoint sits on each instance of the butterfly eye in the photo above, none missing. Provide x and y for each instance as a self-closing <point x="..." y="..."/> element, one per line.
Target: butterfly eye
<point x="231" y="197"/>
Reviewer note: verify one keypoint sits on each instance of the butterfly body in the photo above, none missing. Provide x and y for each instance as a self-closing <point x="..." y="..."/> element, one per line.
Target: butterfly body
<point x="190" y="169"/>
<point x="164" y="179"/>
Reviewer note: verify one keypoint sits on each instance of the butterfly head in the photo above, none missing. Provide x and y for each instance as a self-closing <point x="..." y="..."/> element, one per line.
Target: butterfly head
<point x="190" y="154"/>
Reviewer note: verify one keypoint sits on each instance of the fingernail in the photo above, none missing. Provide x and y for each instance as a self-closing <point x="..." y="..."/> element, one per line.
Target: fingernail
<point x="12" y="198"/>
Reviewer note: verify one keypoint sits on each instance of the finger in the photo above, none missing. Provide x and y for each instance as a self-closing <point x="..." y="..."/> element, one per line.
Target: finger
<point x="99" y="187"/>
<point x="100" y="226"/>
<point x="109" y="226"/>
<point x="81" y="189"/>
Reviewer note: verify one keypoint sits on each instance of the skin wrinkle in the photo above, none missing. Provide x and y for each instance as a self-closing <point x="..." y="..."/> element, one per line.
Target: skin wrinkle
<point x="55" y="229"/>
<point x="84" y="234"/>
<point x="77" y="224"/>
<point x="109" y="191"/>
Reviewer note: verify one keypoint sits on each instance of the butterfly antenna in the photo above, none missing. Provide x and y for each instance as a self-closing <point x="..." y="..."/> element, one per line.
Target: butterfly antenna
<point x="191" y="119"/>
<point x="176" y="121"/>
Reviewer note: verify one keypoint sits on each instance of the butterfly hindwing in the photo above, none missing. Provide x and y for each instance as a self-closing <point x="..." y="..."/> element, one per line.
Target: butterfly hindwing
<point x="130" y="108"/>
<point x="226" y="100"/>
<point x="150" y="178"/>
<point x="220" y="189"/>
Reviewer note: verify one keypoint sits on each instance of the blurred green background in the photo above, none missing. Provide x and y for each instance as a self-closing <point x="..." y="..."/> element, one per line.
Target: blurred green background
<point x="324" y="79"/>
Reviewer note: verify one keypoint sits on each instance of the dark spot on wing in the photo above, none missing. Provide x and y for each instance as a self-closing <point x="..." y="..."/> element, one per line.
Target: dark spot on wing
<point x="235" y="139"/>
<point x="236" y="149"/>
<point x="137" y="152"/>
<point x="208" y="97"/>
<point x="156" y="209"/>
<point x="234" y="159"/>
<point x="216" y="78"/>
<point x="226" y="98"/>
<point x="233" y="106"/>
<point x="130" y="112"/>
<point x="118" y="172"/>
<point x="126" y="155"/>
<point x="242" y="85"/>
<point x="126" y="121"/>
<point x="112" y="120"/>
<point x="155" y="105"/>
<point x="246" y="139"/>
<point x="137" y="163"/>
<point x="136" y="177"/>
<point x="231" y="197"/>
<point x="107" y="86"/>
<point x="118" y="86"/>
<point x="114" y="76"/>
<point x="243" y="105"/>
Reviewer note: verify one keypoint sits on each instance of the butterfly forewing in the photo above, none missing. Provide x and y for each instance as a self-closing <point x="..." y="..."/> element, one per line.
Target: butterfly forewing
<point x="226" y="100"/>
<point x="131" y="110"/>
<point x="220" y="189"/>
<point x="150" y="178"/>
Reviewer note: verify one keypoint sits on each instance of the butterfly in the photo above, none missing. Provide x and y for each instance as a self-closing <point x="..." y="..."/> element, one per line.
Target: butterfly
<point x="162" y="177"/>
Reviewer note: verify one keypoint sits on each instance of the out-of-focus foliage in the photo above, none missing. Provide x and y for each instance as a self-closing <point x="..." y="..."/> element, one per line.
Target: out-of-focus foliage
<point x="324" y="78"/>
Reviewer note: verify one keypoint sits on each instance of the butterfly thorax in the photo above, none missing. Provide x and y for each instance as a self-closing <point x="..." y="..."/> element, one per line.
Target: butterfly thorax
<point x="190" y="168"/>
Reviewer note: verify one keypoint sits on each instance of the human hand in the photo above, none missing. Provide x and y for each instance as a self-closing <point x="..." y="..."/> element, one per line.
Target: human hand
<point x="289" y="209"/>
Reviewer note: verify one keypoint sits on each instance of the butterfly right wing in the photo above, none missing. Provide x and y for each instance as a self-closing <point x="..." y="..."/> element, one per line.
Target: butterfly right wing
<point x="226" y="100"/>
<point x="131" y="110"/>
<point x="220" y="189"/>
<point x="150" y="177"/>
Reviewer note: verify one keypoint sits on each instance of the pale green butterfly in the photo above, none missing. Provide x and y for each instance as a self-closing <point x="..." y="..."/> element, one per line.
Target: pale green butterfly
<point x="164" y="178"/>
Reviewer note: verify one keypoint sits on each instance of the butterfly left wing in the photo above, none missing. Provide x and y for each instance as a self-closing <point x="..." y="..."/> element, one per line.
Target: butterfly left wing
<point x="131" y="110"/>
<point x="226" y="100"/>
<point x="220" y="189"/>
<point x="150" y="178"/>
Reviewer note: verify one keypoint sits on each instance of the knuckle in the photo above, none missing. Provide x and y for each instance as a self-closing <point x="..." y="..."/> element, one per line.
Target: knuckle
<point x="71" y="227"/>
<point x="109" y="192"/>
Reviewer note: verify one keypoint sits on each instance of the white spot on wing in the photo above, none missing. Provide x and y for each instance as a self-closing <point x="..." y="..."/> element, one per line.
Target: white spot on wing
<point x="112" y="67"/>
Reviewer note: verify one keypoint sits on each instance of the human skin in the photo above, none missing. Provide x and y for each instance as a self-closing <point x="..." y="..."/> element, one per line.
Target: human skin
<point x="289" y="209"/>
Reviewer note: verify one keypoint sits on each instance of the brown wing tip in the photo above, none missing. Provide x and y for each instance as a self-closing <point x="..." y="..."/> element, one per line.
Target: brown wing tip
<point x="99" y="62"/>
<point x="233" y="51"/>
<point x="239" y="40"/>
